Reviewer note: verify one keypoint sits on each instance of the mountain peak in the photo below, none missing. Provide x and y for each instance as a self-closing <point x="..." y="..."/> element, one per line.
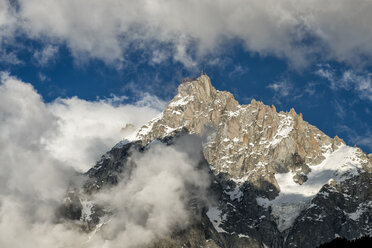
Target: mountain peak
<point x="254" y="144"/>
<point x="199" y="87"/>
<point x="270" y="171"/>
<point x="250" y="133"/>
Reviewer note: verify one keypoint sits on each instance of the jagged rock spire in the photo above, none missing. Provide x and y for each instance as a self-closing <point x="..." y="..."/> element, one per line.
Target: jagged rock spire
<point x="254" y="136"/>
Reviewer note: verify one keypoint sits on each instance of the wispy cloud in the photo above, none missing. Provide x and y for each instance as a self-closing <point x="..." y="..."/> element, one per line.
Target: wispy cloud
<point x="357" y="139"/>
<point x="282" y="88"/>
<point x="360" y="83"/>
<point x="43" y="145"/>
<point x="238" y="71"/>
<point x="43" y="77"/>
<point x="340" y="109"/>
<point x="9" y="58"/>
<point x="46" y="55"/>
<point x="310" y="88"/>
<point x="327" y="72"/>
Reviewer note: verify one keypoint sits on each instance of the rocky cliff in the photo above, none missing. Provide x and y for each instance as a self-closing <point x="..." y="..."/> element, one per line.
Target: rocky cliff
<point x="276" y="180"/>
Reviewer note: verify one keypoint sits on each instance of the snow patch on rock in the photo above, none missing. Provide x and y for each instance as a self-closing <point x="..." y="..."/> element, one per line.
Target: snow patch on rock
<point x="243" y="236"/>
<point x="181" y="101"/>
<point x="284" y="129"/>
<point x="362" y="208"/>
<point x="339" y="165"/>
<point x="217" y="218"/>
<point x="234" y="194"/>
<point x="144" y="130"/>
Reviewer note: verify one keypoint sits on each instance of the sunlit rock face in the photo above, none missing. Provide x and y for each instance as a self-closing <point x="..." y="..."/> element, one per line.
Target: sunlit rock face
<point x="275" y="180"/>
<point x="248" y="142"/>
<point x="283" y="158"/>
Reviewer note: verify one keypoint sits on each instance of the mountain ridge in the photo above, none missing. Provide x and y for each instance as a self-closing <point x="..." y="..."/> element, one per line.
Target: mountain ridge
<point x="277" y="179"/>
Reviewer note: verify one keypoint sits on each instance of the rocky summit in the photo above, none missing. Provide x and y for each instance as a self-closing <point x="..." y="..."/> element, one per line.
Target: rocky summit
<point x="275" y="180"/>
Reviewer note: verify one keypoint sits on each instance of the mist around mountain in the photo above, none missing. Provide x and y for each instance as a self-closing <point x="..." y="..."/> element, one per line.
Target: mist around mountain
<point x="206" y="172"/>
<point x="272" y="179"/>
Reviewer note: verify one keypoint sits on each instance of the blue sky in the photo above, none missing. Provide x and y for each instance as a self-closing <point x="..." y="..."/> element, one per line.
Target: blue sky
<point x="313" y="57"/>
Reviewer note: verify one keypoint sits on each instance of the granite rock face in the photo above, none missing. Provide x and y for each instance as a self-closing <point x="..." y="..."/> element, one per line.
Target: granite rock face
<point x="241" y="140"/>
<point x="276" y="180"/>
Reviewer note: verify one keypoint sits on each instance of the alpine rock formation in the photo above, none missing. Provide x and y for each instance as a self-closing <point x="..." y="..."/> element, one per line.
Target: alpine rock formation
<point x="274" y="179"/>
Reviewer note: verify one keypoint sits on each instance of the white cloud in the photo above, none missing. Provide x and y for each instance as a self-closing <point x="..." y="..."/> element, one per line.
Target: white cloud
<point x="46" y="55"/>
<point x="360" y="83"/>
<point x="282" y="88"/>
<point x="159" y="56"/>
<point x="328" y="73"/>
<point x="238" y="71"/>
<point x="43" y="77"/>
<point x="8" y="20"/>
<point x="70" y="132"/>
<point x="92" y="128"/>
<point x="290" y="29"/>
<point x="32" y="182"/>
<point x="9" y="58"/>
<point x="39" y="146"/>
<point x="8" y="26"/>
<point x="153" y="202"/>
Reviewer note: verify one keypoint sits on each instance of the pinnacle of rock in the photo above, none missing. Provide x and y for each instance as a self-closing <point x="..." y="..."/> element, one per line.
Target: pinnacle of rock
<point x="248" y="142"/>
<point x="200" y="88"/>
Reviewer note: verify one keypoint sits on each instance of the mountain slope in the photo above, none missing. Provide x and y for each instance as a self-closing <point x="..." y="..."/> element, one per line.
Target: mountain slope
<point x="276" y="180"/>
<point x="253" y="143"/>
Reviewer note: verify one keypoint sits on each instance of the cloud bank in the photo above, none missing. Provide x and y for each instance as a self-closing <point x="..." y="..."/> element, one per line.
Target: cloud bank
<point x="88" y="129"/>
<point x="189" y="31"/>
<point x="154" y="201"/>
<point x="32" y="181"/>
<point x="73" y="131"/>
<point x="43" y="146"/>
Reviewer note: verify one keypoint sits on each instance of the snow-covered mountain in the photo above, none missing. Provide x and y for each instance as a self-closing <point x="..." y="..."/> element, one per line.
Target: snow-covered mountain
<point x="275" y="180"/>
